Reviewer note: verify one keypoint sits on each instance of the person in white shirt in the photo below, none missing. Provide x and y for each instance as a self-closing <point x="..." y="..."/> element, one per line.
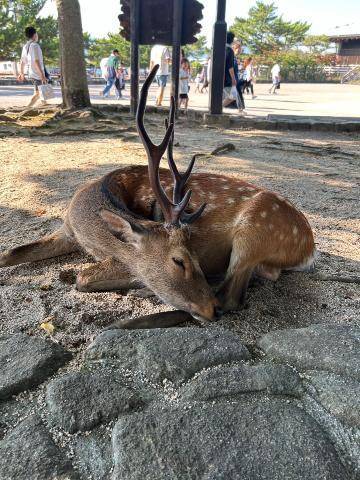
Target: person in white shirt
<point x="275" y="74"/>
<point x="160" y="55"/>
<point x="32" y="57"/>
<point x="184" y="78"/>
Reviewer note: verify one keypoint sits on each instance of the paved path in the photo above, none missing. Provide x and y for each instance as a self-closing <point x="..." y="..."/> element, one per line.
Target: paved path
<point x="294" y="99"/>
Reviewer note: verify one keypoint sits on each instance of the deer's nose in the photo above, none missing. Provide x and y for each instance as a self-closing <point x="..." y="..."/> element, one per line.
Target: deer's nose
<point x="218" y="312"/>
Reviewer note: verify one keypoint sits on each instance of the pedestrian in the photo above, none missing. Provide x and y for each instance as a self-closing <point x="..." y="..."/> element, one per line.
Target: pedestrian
<point x="204" y="78"/>
<point x="275" y="75"/>
<point x="197" y="82"/>
<point x="248" y="77"/>
<point x="184" y="78"/>
<point x="160" y="55"/>
<point x="120" y="81"/>
<point x="112" y="67"/>
<point x="32" y="58"/>
<point x="238" y="102"/>
<point x="230" y="92"/>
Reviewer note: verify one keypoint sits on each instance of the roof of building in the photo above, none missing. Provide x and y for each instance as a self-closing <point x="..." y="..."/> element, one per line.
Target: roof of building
<point x="350" y="31"/>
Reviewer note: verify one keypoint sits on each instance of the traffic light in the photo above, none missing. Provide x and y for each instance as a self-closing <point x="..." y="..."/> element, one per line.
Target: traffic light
<point x="156" y="21"/>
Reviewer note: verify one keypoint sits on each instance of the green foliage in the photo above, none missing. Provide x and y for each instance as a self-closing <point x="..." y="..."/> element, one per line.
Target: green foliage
<point x="265" y="31"/>
<point x="316" y="43"/>
<point x="98" y="48"/>
<point x="15" y="16"/>
<point x="197" y="51"/>
<point x="196" y="67"/>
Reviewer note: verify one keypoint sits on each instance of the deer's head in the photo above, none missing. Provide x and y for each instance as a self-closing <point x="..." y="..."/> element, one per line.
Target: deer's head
<point x="160" y="255"/>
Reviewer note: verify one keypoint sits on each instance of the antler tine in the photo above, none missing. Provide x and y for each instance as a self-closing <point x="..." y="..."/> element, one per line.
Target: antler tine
<point x="181" y="179"/>
<point x="172" y="212"/>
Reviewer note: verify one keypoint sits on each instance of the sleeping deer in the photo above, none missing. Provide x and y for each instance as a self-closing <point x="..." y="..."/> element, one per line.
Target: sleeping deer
<point x="139" y="236"/>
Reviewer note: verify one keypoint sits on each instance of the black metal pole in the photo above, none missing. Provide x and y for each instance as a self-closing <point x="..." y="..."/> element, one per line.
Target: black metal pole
<point x="218" y="60"/>
<point x="178" y="6"/>
<point x="134" y="54"/>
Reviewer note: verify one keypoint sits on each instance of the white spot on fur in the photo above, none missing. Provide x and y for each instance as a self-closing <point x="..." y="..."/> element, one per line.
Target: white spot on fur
<point x="257" y="225"/>
<point x="295" y="230"/>
<point x="225" y="187"/>
<point x="223" y="179"/>
<point x="230" y="200"/>
<point x="275" y="206"/>
<point x="244" y="197"/>
<point x="282" y="236"/>
<point x="271" y="226"/>
<point x="263" y="214"/>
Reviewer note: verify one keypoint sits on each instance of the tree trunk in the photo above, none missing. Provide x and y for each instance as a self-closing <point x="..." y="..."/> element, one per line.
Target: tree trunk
<point x="74" y="85"/>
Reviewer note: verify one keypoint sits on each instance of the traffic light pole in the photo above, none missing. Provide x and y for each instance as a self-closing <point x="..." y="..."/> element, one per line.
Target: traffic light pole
<point x="178" y="8"/>
<point x="218" y="60"/>
<point x="134" y="55"/>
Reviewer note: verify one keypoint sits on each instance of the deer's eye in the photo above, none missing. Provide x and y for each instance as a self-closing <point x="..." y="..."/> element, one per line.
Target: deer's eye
<point x="179" y="262"/>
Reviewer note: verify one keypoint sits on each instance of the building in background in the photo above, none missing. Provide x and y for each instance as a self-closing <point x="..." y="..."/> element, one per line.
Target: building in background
<point x="347" y="39"/>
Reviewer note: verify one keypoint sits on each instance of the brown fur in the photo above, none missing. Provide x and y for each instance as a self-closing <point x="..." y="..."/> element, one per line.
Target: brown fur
<point x="243" y="228"/>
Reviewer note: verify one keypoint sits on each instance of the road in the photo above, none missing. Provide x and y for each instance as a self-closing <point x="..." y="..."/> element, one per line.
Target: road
<point x="302" y="99"/>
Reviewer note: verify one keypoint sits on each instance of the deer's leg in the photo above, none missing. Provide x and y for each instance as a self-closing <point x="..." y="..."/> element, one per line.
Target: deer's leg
<point x="232" y="291"/>
<point x="58" y="243"/>
<point x="104" y="276"/>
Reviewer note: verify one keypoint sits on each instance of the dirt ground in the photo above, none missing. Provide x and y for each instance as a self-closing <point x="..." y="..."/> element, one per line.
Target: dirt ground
<point x="316" y="171"/>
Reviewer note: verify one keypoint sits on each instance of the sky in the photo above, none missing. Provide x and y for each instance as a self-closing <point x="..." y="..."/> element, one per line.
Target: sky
<point x="324" y="15"/>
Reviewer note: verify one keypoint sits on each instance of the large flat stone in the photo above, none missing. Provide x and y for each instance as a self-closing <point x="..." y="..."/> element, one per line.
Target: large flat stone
<point x="29" y="453"/>
<point x="267" y="439"/>
<point x="80" y="401"/>
<point x="339" y="395"/>
<point x="175" y="354"/>
<point x="319" y="347"/>
<point x="26" y="361"/>
<point x="233" y="380"/>
<point x="94" y="456"/>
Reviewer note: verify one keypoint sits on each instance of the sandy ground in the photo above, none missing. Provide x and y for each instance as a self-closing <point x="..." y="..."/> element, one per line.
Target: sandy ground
<point x="300" y="99"/>
<point x="318" y="172"/>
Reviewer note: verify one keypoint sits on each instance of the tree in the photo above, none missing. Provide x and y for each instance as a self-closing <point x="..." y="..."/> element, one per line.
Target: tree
<point x="316" y="43"/>
<point x="197" y="51"/>
<point x="15" y="16"/>
<point x="265" y="31"/>
<point x="99" y="48"/>
<point x="75" y="91"/>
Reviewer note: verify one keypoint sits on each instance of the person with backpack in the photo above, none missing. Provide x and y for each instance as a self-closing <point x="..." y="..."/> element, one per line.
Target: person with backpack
<point x="112" y="68"/>
<point x="32" y="58"/>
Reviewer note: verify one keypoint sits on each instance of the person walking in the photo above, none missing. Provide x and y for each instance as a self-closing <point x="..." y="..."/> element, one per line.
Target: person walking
<point x="32" y="57"/>
<point x="197" y="82"/>
<point x="160" y="55"/>
<point x="119" y="82"/>
<point x="230" y="92"/>
<point x="275" y="75"/>
<point x="112" y="67"/>
<point x="248" y="77"/>
<point x="184" y="78"/>
<point x="240" y="103"/>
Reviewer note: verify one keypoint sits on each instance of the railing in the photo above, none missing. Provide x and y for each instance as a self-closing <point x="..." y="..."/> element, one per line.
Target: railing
<point x="351" y="75"/>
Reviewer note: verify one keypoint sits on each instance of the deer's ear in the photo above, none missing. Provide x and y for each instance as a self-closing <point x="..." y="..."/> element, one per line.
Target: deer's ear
<point x="121" y="228"/>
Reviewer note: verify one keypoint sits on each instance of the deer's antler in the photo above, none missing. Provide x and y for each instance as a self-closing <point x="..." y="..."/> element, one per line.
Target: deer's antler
<point x="180" y="179"/>
<point x="172" y="211"/>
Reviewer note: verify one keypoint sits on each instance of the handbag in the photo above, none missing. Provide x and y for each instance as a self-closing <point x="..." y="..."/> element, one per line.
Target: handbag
<point x="46" y="92"/>
<point x="278" y="86"/>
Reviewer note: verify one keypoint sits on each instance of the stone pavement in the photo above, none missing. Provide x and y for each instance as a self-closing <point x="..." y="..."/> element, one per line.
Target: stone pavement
<point x="294" y="99"/>
<point x="182" y="403"/>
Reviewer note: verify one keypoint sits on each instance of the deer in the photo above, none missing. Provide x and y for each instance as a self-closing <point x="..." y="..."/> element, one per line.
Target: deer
<point x="214" y="225"/>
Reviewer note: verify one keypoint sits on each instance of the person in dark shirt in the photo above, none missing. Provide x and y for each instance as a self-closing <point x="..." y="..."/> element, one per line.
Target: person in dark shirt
<point x="230" y="79"/>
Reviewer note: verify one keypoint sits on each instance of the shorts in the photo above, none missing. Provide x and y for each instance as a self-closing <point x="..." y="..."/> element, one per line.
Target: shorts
<point x="275" y="80"/>
<point x="36" y="83"/>
<point x="161" y="80"/>
<point x="184" y="95"/>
